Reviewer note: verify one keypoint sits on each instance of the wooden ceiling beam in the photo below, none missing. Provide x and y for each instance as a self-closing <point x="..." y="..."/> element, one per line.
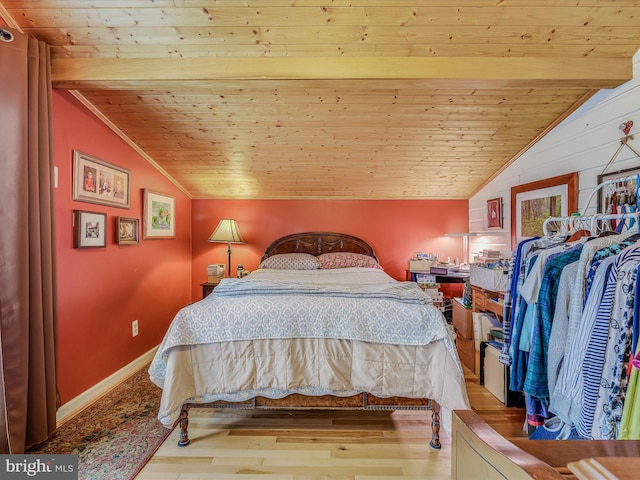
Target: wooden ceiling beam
<point x="502" y="72"/>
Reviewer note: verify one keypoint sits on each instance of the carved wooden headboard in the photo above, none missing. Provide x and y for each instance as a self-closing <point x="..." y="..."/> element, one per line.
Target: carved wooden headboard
<point x="317" y="243"/>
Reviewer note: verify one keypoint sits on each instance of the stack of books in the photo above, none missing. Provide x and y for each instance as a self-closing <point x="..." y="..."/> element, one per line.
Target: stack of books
<point x="444" y="269"/>
<point x="433" y="291"/>
<point x="488" y="256"/>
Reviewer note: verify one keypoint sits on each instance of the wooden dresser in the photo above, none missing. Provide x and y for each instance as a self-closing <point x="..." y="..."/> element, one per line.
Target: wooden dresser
<point x="487" y="301"/>
<point x="482" y="301"/>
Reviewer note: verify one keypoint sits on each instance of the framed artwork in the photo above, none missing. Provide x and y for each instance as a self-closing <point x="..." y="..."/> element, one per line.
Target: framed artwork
<point x="96" y="181"/>
<point x="532" y="203"/>
<point x="127" y="230"/>
<point x="89" y="229"/>
<point x="494" y="213"/>
<point x="619" y="191"/>
<point x="158" y="217"/>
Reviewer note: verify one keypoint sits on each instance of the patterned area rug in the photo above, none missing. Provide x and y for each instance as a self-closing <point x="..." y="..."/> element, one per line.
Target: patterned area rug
<point x="115" y="436"/>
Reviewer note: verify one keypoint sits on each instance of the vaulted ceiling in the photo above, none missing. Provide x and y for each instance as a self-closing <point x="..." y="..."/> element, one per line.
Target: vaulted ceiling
<point x="343" y="99"/>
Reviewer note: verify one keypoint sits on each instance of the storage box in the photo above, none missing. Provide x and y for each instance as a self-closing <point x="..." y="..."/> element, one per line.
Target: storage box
<point x="466" y="352"/>
<point x="482" y="324"/>
<point x="494" y="279"/>
<point x="425" y="278"/>
<point x="462" y="319"/>
<point x="215" y="272"/>
<point x="420" y="265"/>
<point x="436" y="296"/>
<point x="494" y="373"/>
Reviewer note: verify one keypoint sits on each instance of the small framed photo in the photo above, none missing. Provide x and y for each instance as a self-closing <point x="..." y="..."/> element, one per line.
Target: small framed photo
<point x="89" y="229"/>
<point x="127" y="230"/>
<point x="158" y="217"/>
<point x="99" y="182"/>
<point x="494" y="213"/>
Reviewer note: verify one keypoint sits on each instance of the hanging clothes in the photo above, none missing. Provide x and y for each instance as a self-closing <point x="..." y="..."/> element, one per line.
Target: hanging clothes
<point x="559" y="328"/>
<point x="630" y="422"/>
<point x="536" y="380"/>
<point x="558" y="357"/>
<point x="569" y="386"/>
<point x="567" y="397"/>
<point x="578" y="291"/>
<point x="513" y="276"/>
<point x="525" y="321"/>
<point x="613" y="384"/>
<point x="572" y="324"/>
<point x="612" y="309"/>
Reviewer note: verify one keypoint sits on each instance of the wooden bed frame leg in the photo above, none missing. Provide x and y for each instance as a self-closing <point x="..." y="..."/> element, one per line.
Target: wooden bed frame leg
<point x="184" y="427"/>
<point x="435" y="426"/>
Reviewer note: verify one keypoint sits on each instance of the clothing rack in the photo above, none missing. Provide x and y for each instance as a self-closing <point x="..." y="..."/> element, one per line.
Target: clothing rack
<point x="587" y="325"/>
<point x="624" y="141"/>
<point x="606" y="183"/>
<point x="593" y="223"/>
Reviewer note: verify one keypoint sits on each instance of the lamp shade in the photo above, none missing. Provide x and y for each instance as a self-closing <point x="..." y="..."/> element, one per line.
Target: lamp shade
<point x="227" y="231"/>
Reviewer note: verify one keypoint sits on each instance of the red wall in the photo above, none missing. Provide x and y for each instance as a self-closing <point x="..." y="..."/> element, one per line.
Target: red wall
<point x="395" y="229"/>
<point x="101" y="291"/>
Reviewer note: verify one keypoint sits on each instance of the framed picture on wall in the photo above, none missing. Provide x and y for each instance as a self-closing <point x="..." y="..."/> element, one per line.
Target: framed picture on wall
<point x="89" y="229"/>
<point x="494" y="213"/>
<point x="532" y="203"/>
<point x="158" y="217"/>
<point x="620" y="191"/>
<point x="99" y="182"/>
<point x="127" y="231"/>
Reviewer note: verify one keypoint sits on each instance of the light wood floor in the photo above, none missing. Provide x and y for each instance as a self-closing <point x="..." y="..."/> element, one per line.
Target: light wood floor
<point x="336" y="445"/>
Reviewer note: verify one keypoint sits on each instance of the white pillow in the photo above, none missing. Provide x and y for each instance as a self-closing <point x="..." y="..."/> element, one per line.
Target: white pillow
<point x="291" y="261"/>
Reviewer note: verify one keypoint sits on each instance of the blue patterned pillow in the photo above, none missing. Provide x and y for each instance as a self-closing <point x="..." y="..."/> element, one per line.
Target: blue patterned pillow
<point x="291" y="261"/>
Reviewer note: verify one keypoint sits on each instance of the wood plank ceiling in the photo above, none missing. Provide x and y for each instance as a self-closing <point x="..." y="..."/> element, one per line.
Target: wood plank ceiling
<point x="343" y="99"/>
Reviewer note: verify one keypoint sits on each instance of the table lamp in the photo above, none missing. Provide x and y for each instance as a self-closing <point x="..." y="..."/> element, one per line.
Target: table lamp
<point x="227" y="232"/>
<point x="465" y="243"/>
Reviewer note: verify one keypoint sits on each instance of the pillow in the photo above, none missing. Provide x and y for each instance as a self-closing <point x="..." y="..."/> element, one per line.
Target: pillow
<point x="347" y="259"/>
<point x="291" y="261"/>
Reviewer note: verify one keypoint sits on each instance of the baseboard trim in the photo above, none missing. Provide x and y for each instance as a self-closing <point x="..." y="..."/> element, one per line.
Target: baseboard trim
<point x="82" y="401"/>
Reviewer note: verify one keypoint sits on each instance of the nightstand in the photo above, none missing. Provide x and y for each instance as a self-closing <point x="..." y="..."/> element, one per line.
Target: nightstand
<point x="207" y="288"/>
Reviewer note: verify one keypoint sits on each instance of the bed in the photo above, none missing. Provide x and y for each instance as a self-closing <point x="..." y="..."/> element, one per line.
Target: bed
<point x="318" y="325"/>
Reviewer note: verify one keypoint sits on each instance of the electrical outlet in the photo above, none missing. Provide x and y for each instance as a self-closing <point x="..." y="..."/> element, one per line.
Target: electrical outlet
<point x="134" y="328"/>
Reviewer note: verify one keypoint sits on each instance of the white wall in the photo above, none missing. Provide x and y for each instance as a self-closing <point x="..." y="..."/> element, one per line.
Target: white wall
<point x="585" y="142"/>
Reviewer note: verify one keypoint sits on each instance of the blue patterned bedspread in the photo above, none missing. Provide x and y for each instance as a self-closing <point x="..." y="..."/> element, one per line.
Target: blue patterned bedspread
<point x="364" y="305"/>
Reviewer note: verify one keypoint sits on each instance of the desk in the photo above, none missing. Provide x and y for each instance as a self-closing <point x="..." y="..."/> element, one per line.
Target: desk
<point x="455" y="277"/>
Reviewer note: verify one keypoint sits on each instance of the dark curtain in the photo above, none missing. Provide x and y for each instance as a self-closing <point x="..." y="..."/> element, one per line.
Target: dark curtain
<point x="28" y="393"/>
